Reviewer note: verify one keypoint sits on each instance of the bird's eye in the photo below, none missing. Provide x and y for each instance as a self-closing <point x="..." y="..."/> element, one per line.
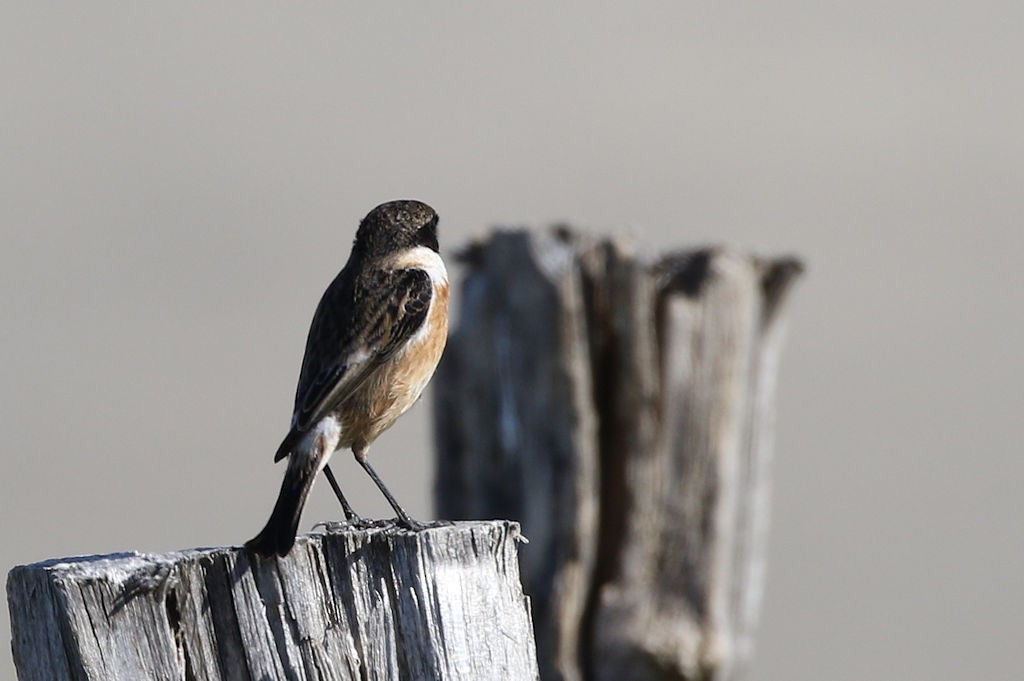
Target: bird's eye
<point x="427" y="234"/>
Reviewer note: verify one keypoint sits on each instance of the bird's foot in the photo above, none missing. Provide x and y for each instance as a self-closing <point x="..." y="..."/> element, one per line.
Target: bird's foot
<point x="412" y="525"/>
<point x="358" y="523"/>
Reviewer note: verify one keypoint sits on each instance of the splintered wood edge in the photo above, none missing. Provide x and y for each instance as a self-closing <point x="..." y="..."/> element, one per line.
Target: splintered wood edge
<point x="124" y="566"/>
<point x="54" y="602"/>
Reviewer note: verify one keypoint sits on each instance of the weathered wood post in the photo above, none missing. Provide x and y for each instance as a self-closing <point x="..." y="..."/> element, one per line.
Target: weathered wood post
<point x="371" y="603"/>
<point x="621" y="408"/>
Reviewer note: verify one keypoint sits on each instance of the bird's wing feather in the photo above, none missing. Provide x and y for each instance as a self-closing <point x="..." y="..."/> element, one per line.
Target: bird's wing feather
<point x="386" y="308"/>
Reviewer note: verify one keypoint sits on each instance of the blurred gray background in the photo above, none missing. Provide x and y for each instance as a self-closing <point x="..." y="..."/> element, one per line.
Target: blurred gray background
<point x="180" y="182"/>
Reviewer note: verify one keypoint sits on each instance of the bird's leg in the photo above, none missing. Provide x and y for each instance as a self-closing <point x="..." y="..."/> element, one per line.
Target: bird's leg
<point x="350" y="515"/>
<point x="404" y="519"/>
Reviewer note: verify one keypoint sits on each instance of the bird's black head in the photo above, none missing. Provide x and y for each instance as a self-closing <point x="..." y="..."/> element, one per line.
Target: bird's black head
<point x="395" y="226"/>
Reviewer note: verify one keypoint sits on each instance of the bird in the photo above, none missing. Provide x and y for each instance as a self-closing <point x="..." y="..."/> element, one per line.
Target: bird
<point x="375" y="339"/>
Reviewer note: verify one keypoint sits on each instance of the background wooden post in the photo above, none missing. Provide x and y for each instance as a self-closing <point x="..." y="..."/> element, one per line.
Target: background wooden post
<point x="378" y="603"/>
<point x="620" y="408"/>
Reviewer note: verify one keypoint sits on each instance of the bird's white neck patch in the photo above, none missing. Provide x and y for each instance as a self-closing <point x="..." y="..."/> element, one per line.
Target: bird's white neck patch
<point x="426" y="259"/>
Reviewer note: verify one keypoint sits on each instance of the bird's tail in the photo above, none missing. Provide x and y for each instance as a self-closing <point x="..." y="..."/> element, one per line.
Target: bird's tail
<point x="278" y="536"/>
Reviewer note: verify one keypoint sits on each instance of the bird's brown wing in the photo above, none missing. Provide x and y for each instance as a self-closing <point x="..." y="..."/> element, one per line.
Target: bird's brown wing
<point x="357" y="327"/>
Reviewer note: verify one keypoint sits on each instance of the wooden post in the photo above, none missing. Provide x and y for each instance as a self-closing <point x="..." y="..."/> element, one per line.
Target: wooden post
<point x="378" y="603"/>
<point x="621" y="408"/>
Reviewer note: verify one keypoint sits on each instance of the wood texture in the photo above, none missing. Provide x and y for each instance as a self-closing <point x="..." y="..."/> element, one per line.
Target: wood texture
<point x="373" y="603"/>
<point x="515" y="436"/>
<point x="621" y="408"/>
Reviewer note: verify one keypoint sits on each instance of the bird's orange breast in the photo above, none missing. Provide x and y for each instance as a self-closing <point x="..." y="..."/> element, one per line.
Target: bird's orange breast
<point x="396" y="385"/>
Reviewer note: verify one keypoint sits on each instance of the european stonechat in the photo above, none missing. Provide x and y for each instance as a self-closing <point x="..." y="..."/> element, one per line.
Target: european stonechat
<point x="373" y="344"/>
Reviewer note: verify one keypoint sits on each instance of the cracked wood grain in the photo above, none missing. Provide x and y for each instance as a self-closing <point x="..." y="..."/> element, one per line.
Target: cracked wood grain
<point x="621" y="408"/>
<point x="374" y="604"/>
